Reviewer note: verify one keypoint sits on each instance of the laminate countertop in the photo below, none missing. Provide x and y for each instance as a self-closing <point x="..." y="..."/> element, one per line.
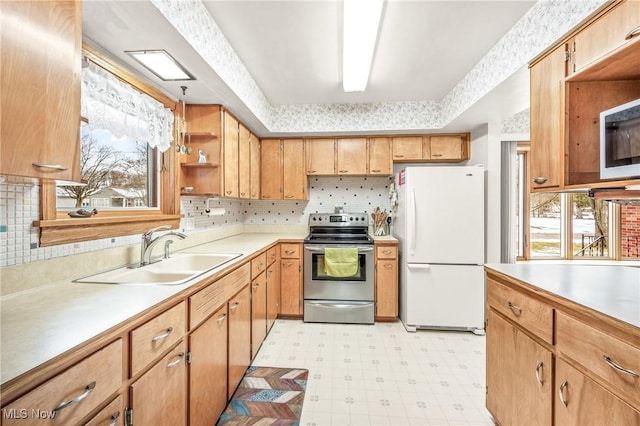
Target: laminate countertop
<point x="610" y="290"/>
<point x="40" y="324"/>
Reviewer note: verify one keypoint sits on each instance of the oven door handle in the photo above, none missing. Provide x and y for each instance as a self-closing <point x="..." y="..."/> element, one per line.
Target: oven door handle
<point x="339" y="305"/>
<point x="361" y="249"/>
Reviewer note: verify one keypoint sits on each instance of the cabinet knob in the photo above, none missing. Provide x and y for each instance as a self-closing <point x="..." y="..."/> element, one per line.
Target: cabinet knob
<point x="376" y="171"/>
<point x="266" y="196"/>
<point x="388" y="266"/>
<point x="242" y="193"/>
<point x="540" y="180"/>
<point x="343" y="171"/>
<point x="288" y="196"/>
<point x="311" y="171"/>
<point x="436" y="155"/>
<point x="398" y="156"/>
<point x="229" y="192"/>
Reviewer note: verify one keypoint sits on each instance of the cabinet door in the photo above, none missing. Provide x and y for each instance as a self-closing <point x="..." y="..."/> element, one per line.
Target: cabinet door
<point x="208" y="370"/>
<point x="254" y="167"/>
<point x="273" y="293"/>
<point x="294" y="181"/>
<point x="446" y="148"/>
<point x="258" y="312"/>
<point x="230" y="158"/>
<point x="380" y="162"/>
<point x="408" y="148"/>
<point x="547" y="118"/>
<point x="387" y="288"/>
<point x="320" y="155"/>
<point x="239" y="338"/>
<point x="519" y="384"/>
<point x="290" y="287"/>
<point x="244" y="162"/>
<point x="159" y="396"/>
<point x="581" y="401"/>
<point x="352" y="156"/>
<point x="271" y="169"/>
<point x="40" y="88"/>
<point x="605" y="34"/>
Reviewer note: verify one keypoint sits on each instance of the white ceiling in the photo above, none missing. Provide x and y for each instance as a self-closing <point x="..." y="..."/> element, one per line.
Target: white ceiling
<point x="293" y="52"/>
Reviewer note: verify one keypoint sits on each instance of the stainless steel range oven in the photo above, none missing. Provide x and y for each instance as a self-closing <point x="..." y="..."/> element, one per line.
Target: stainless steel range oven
<point x="339" y="295"/>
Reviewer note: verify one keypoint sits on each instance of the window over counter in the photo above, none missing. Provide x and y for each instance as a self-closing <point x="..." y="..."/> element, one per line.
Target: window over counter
<point x="127" y="166"/>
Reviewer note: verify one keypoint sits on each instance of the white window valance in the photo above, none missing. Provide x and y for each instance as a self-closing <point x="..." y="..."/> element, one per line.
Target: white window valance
<point x="111" y="104"/>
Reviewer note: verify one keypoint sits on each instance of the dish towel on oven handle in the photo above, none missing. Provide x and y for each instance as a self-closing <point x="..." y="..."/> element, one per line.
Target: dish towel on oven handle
<point x="341" y="262"/>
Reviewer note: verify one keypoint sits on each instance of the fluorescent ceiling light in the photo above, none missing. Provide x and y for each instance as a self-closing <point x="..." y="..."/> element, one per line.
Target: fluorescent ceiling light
<point x="161" y="64"/>
<point x="360" y="31"/>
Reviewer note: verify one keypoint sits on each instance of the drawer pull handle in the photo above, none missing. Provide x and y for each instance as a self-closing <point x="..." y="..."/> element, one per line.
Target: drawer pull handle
<point x="386" y="251"/>
<point x="288" y="264"/>
<point x="631" y="34"/>
<point x="388" y="266"/>
<point x="539" y="368"/>
<point x="540" y="180"/>
<point x="289" y="251"/>
<point x="617" y="366"/>
<point x="50" y="166"/>
<point x="255" y="286"/>
<point x="563" y="386"/>
<point x="234" y="306"/>
<point x="222" y="318"/>
<point x="114" y="418"/>
<point x="78" y="398"/>
<point x="163" y="335"/>
<point x="516" y="309"/>
<point x="376" y="171"/>
<point x="176" y="361"/>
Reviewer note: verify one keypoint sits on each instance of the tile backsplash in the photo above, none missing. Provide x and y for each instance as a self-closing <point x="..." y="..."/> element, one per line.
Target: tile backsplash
<point x="19" y="207"/>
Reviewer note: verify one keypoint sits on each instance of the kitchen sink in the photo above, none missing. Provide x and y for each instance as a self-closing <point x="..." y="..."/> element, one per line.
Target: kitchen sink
<point x="178" y="269"/>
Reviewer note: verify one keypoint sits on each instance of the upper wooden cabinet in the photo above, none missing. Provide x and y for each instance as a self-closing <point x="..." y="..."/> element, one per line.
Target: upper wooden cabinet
<point x="230" y="156"/>
<point x="380" y="162"/>
<point x="603" y="56"/>
<point x="40" y="89"/>
<point x="432" y="148"/>
<point x="547" y="121"/>
<point x="352" y="156"/>
<point x="254" y="166"/>
<point x="282" y="170"/>
<point x="294" y="179"/>
<point x="244" y="162"/>
<point x="407" y="148"/>
<point x="203" y="129"/>
<point x="613" y="29"/>
<point x="320" y="156"/>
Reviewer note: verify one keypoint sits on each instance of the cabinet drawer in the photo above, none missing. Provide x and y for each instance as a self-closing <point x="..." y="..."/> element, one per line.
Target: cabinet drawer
<point x="600" y="353"/>
<point x="155" y="336"/>
<point x="290" y="251"/>
<point x="258" y="265"/>
<point x="386" y="252"/>
<point x="89" y="383"/>
<point x="272" y="255"/>
<point x="209" y="299"/>
<point x="112" y="414"/>
<point x="531" y="314"/>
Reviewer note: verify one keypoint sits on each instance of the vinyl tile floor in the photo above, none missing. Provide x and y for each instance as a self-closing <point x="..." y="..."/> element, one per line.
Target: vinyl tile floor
<point x="381" y="374"/>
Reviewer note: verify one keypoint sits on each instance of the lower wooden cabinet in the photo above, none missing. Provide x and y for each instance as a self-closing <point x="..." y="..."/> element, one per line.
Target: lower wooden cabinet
<point x="112" y="414"/>
<point x="239" y="338"/>
<point x="208" y="369"/>
<point x="519" y="384"/>
<point x="258" y="312"/>
<point x="291" y="279"/>
<point x="74" y="393"/>
<point x="386" y="280"/>
<point x="581" y="401"/>
<point x="159" y="396"/>
<point x="273" y="292"/>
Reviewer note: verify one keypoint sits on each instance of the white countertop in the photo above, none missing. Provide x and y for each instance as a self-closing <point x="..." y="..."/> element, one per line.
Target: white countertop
<point x="40" y="324"/>
<point x="610" y="290"/>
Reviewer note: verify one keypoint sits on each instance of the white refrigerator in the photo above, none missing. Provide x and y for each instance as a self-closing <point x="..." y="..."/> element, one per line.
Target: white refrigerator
<point x="439" y="222"/>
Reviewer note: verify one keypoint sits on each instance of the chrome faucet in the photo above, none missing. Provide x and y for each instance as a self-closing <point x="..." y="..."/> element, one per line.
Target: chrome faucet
<point x="148" y="243"/>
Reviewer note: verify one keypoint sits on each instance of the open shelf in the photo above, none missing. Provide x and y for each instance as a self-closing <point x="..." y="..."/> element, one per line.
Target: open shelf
<point x="200" y="134"/>
<point x="621" y="64"/>
<point x="200" y="165"/>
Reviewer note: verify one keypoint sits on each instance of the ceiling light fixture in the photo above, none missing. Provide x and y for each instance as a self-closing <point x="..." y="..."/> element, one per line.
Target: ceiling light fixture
<point x="161" y="64"/>
<point x="360" y="31"/>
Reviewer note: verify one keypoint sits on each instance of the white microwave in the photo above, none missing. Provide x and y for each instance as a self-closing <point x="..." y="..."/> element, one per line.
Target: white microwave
<point x="620" y="141"/>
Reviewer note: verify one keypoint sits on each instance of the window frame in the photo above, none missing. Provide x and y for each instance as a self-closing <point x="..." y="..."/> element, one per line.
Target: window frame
<point x="55" y="227"/>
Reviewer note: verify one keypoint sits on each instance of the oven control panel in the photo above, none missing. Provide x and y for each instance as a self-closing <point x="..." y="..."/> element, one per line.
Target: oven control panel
<point x="338" y="219"/>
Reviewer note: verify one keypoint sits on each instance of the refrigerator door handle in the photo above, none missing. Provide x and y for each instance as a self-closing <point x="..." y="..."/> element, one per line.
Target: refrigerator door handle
<point x="411" y="228"/>
<point x="418" y="265"/>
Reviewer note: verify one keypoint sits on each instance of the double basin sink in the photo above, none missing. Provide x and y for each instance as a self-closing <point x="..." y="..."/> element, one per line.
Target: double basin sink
<point x="178" y="269"/>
